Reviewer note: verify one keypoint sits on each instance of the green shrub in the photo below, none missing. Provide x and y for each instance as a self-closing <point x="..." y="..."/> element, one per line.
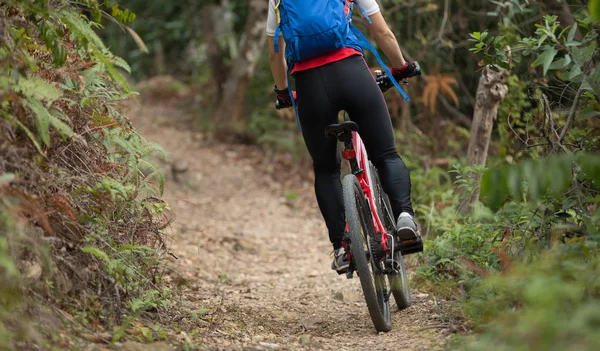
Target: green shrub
<point x="550" y="304"/>
<point x="75" y="207"/>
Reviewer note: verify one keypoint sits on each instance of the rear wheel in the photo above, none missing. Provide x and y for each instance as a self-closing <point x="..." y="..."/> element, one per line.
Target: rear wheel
<point x="399" y="279"/>
<point x="362" y="247"/>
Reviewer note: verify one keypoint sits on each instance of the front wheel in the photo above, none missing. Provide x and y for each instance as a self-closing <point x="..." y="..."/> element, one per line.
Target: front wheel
<point x="360" y="228"/>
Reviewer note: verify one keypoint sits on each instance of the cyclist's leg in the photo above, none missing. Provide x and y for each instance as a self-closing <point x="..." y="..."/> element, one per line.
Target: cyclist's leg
<point x="366" y="106"/>
<point x="316" y="111"/>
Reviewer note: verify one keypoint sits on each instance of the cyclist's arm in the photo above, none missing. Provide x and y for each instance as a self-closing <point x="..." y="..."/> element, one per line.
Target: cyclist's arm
<point x="277" y="62"/>
<point x="386" y="39"/>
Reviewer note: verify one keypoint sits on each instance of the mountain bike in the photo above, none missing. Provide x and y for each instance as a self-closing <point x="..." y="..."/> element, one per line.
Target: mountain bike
<point x="374" y="251"/>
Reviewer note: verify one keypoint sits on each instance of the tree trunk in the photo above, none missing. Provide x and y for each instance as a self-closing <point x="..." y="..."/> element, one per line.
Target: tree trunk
<point x="253" y="40"/>
<point x="212" y="13"/>
<point x="490" y="92"/>
<point x="159" y="60"/>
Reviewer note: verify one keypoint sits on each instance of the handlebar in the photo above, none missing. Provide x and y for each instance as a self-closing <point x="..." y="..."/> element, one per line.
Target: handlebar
<point x="383" y="81"/>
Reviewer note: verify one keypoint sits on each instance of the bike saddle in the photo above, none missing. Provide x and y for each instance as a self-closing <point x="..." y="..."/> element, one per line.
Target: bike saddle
<point x="342" y="129"/>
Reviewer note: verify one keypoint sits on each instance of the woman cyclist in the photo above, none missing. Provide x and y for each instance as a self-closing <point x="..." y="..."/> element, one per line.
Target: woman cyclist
<point x="337" y="81"/>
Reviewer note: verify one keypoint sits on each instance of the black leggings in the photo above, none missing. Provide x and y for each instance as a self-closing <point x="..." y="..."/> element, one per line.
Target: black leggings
<point x="322" y="93"/>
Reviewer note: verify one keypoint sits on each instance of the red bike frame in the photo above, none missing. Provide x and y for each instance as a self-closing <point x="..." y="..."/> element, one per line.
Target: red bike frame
<point x="365" y="179"/>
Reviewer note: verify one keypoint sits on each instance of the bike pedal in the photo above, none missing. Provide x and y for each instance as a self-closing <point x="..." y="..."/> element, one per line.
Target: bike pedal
<point x="411" y="246"/>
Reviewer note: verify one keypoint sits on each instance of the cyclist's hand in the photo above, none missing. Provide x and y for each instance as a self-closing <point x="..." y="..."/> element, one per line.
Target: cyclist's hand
<point x="383" y="81"/>
<point x="411" y="69"/>
<point x="284" y="100"/>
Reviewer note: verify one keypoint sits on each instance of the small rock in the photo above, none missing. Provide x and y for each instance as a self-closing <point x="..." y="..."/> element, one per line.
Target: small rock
<point x="243" y="244"/>
<point x="180" y="280"/>
<point x="178" y="168"/>
<point x="181" y="166"/>
<point x="187" y="305"/>
<point x="304" y="340"/>
<point x="269" y="345"/>
<point x="198" y="137"/>
<point x="230" y="154"/>
<point x="32" y="270"/>
<point x="339" y="296"/>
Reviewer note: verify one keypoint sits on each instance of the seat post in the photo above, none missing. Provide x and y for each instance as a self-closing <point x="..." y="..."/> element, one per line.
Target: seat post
<point x="343" y="133"/>
<point x="350" y="154"/>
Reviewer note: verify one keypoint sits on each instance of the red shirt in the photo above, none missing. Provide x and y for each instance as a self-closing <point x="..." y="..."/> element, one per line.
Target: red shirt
<point x="338" y="55"/>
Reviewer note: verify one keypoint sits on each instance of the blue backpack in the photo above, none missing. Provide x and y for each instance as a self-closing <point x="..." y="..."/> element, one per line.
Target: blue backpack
<point x="312" y="28"/>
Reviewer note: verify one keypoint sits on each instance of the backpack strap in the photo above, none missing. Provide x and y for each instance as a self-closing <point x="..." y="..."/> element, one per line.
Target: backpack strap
<point x="294" y="106"/>
<point x="362" y="9"/>
<point x="276" y="39"/>
<point x="278" y="29"/>
<point x="364" y="42"/>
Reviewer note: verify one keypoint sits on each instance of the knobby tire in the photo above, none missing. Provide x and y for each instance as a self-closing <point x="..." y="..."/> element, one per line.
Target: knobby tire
<point x="398" y="281"/>
<point x="360" y="227"/>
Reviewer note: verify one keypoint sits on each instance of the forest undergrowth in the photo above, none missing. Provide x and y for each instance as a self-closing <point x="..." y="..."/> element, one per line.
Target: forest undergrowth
<point x="82" y="222"/>
<point x="82" y="226"/>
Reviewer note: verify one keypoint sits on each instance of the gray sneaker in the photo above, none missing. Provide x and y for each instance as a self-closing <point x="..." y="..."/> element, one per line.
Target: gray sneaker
<point x="340" y="261"/>
<point x="406" y="228"/>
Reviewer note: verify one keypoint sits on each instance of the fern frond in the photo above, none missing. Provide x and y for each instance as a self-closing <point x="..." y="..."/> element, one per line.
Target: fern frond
<point x="157" y="173"/>
<point x="35" y="88"/>
<point x="63" y="129"/>
<point x="28" y="132"/>
<point x="123" y="144"/>
<point x="81" y="29"/>
<point x="112" y="72"/>
<point x="84" y="33"/>
<point x="151" y="147"/>
<point x="119" y="62"/>
<point x="42" y="119"/>
<point x="92" y="78"/>
<point x="96" y="252"/>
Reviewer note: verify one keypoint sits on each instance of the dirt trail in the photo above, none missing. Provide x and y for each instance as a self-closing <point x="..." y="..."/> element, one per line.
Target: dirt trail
<point x="260" y="260"/>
